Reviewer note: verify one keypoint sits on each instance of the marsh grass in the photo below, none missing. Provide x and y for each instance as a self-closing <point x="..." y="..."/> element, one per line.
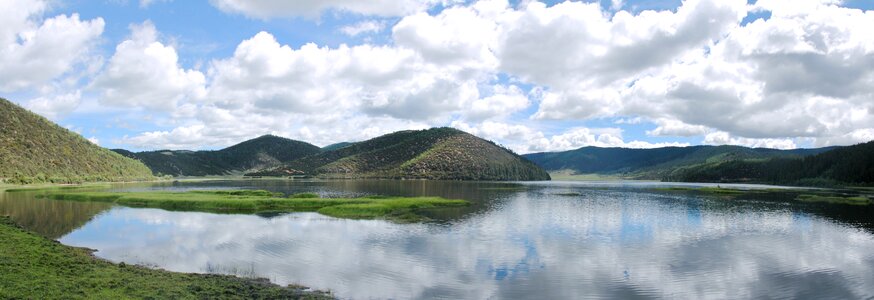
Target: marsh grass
<point x="305" y="195"/>
<point x="43" y="188"/>
<point x="709" y="190"/>
<point x="851" y="200"/>
<point x="255" y="201"/>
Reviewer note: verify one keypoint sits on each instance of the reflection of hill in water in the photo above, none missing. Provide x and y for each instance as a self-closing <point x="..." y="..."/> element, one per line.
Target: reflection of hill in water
<point x="50" y="218"/>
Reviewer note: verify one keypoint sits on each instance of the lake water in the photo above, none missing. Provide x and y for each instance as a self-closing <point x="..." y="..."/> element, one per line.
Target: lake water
<point x="549" y="240"/>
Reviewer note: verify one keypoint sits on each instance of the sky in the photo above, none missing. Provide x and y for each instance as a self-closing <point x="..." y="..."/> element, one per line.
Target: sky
<point x="532" y="76"/>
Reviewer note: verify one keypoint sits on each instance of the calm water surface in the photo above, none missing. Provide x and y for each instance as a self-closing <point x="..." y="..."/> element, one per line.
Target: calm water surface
<point x="551" y="240"/>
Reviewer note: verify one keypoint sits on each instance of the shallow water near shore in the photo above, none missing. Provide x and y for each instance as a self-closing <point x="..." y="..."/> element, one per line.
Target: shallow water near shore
<point x="548" y="240"/>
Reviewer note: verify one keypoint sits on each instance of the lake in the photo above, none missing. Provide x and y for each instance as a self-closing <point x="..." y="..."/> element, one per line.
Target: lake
<point x="541" y="240"/>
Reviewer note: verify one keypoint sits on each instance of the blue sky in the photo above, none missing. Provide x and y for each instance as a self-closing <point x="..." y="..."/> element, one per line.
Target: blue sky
<point x="534" y="76"/>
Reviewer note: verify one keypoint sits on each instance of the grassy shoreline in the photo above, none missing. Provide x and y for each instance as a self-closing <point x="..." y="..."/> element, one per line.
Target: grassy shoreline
<point x="398" y="209"/>
<point x="34" y="267"/>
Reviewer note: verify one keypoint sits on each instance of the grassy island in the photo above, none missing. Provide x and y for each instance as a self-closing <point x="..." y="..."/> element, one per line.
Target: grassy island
<point x="400" y="209"/>
<point x="34" y="267"/>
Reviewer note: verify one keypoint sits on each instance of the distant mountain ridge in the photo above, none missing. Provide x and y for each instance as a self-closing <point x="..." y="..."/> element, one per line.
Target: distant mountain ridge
<point x="255" y="154"/>
<point x="656" y="163"/>
<point x="849" y="165"/>
<point x="437" y="153"/>
<point x="34" y="150"/>
<point x="828" y="166"/>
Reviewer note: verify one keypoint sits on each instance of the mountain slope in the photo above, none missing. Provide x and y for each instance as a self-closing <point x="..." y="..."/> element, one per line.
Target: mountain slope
<point x="34" y="149"/>
<point x="654" y="163"/>
<point x="336" y="146"/>
<point x="438" y="153"/>
<point x="262" y="152"/>
<point x="843" y="165"/>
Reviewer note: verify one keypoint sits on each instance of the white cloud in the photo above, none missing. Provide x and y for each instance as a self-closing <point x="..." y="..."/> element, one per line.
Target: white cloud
<point x="146" y="73"/>
<point x="801" y="73"/>
<point x="854" y="137"/>
<point x="804" y="74"/>
<point x="667" y="127"/>
<point x="55" y="106"/>
<point x="459" y="36"/>
<point x="587" y="48"/>
<point x="33" y="52"/>
<point x="218" y="128"/>
<point x="504" y="101"/>
<point x="147" y="3"/>
<point x="374" y="80"/>
<point x="523" y="139"/>
<point x="371" y="26"/>
<point x="94" y="140"/>
<point x="266" y="9"/>
<point x="724" y="138"/>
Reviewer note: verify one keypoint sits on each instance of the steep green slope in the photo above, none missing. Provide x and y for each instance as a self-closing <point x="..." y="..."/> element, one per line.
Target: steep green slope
<point x="336" y="146"/>
<point x="178" y="163"/>
<point x="438" y="153"/>
<point x="844" y="165"/>
<point x="652" y="163"/>
<point x="262" y="152"/>
<point x="34" y="149"/>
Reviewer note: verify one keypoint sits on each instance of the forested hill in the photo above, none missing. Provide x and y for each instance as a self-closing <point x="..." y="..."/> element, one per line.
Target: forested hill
<point x="853" y="165"/>
<point x="258" y="153"/>
<point x="34" y="149"/>
<point x="438" y="153"/>
<point x="655" y="164"/>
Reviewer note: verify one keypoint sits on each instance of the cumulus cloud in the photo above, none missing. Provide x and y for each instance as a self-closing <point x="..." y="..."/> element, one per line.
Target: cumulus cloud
<point x="504" y="101"/>
<point x="33" y="52"/>
<point x="523" y="139"/>
<point x="147" y="3"/>
<point x="216" y="128"/>
<point x="803" y="74"/>
<point x="265" y="9"/>
<point x="371" y="26"/>
<point x="143" y="72"/>
<point x="725" y="138"/>
<point x="56" y="106"/>
<point x="373" y="80"/>
<point x="668" y="127"/>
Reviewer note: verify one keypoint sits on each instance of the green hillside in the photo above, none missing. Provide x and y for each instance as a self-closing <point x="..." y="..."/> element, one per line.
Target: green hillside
<point x="336" y="146"/>
<point x="34" y="149"/>
<point x="262" y="152"/>
<point x="657" y="163"/>
<point x="852" y="165"/>
<point x="438" y="153"/>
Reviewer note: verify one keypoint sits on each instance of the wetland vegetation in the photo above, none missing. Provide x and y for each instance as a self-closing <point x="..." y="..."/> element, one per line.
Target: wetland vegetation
<point x="401" y="209"/>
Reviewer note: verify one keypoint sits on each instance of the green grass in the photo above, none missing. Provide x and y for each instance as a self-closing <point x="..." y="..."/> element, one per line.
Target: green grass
<point x="852" y="200"/>
<point x="708" y="190"/>
<point x="305" y="195"/>
<point x="33" y="267"/>
<point x="49" y="187"/>
<point x="259" y="193"/>
<point x="253" y="201"/>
